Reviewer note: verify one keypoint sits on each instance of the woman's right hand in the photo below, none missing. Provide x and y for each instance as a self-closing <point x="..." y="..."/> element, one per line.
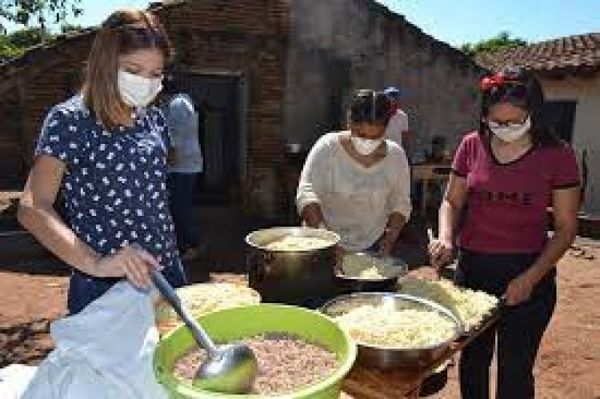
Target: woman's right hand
<point x="441" y="253"/>
<point x="132" y="262"/>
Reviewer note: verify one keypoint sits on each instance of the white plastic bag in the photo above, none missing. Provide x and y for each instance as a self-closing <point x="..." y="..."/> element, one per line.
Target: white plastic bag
<point x="104" y="352"/>
<point x="14" y="379"/>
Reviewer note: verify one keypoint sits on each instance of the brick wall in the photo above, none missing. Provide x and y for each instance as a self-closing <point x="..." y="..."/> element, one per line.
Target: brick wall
<point x="246" y="36"/>
<point x="337" y="46"/>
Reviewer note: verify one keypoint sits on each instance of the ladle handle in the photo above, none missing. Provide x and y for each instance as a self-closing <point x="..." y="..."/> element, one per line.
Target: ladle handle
<point x="171" y="296"/>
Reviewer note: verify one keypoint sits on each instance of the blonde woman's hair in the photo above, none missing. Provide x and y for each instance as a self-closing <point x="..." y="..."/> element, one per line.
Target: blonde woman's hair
<point x="123" y="32"/>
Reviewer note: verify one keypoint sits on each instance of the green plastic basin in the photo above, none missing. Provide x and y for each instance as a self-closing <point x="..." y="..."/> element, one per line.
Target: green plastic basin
<point x="248" y="321"/>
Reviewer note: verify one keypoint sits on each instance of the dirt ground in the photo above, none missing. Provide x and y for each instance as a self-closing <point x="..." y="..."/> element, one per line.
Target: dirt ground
<point x="34" y="293"/>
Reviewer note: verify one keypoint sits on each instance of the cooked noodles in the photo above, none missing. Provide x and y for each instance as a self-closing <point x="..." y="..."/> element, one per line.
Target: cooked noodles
<point x="368" y="267"/>
<point x="398" y="327"/>
<point x="298" y="243"/>
<point x="469" y="306"/>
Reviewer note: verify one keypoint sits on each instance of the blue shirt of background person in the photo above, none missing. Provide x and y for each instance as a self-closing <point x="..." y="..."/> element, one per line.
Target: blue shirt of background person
<point x="185" y="164"/>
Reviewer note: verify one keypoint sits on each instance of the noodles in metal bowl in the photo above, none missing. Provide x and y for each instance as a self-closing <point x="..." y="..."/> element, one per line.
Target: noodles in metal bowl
<point x="364" y="266"/>
<point x="470" y="307"/>
<point x="394" y="330"/>
<point x="363" y="271"/>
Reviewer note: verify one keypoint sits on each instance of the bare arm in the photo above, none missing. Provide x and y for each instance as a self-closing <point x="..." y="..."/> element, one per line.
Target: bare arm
<point x="451" y="207"/>
<point x="36" y="213"/>
<point x="441" y="250"/>
<point x="394" y="225"/>
<point x="565" y="207"/>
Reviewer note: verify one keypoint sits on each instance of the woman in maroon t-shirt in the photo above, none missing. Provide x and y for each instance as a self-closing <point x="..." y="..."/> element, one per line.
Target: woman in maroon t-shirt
<point x="505" y="176"/>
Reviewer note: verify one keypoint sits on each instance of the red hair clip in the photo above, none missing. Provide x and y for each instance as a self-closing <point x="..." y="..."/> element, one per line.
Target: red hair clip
<point x="495" y="80"/>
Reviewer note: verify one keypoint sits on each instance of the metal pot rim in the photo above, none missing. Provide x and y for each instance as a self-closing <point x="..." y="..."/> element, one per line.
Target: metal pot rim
<point x="458" y="331"/>
<point x="293" y="230"/>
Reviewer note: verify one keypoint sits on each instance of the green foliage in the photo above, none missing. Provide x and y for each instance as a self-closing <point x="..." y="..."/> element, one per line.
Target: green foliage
<point x="16" y="43"/>
<point x="7" y="49"/>
<point x="68" y="28"/>
<point x="37" y="12"/>
<point x="34" y="16"/>
<point x="502" y="40"/>
<point x="28" y="37"/>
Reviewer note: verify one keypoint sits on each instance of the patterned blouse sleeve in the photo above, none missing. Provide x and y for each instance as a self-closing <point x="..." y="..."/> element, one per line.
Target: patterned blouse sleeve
<point x="58" y="137"/>
<point x="163" y="126"/>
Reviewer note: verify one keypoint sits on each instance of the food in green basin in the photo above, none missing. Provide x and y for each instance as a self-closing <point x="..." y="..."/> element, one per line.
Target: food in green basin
<point x="250" y="321"/>
<point x="286" y="363"/>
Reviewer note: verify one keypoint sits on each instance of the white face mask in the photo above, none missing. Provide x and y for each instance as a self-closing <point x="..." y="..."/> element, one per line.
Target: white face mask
<point x="138" y="91"/>
<point x="365" y="146"/>
<point x="511" y="132"/>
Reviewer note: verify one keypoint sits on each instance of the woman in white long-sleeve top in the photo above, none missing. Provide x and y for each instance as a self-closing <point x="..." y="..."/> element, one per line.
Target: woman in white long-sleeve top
<point x="356" y="183"/>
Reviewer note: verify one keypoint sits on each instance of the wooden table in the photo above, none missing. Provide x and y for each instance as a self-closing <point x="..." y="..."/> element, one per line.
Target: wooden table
<point x="367" y="383"/>
<point x="428" y="173"/>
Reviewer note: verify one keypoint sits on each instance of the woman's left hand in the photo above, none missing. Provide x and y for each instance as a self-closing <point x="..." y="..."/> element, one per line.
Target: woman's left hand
<point x="519" y="290"/>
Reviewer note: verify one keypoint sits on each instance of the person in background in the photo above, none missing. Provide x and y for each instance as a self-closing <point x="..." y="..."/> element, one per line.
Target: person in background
<point x="506" y="175"/>
<point x="355" y="182"/>
<point x="185" y="164"/>
<point x="397" y="127"/>
<point x="105" y="149"/>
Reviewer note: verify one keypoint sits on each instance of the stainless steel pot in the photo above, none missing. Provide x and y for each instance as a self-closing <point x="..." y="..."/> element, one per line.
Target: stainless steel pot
<point x="389" y="358"/>
<point x="304" y="278"/>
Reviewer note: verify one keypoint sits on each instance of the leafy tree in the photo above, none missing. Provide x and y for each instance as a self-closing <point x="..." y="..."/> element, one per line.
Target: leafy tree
<point x="28" y="37"/>
<point x="67" y="28"/>
<point x="34" y="16"/>
<point x="8" y="49"/>
<point x="15" y="43"/>
<point x="502" y="40"/>
<point x="37" y="12"/>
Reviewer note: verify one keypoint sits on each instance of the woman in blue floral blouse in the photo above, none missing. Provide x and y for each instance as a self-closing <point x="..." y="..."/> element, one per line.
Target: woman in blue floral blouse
<point x="105" y="150"/>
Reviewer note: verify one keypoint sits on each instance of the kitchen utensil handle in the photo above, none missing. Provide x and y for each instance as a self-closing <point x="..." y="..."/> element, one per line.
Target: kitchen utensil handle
<point x="171" y="296"/>
<point x="431" y="237"/>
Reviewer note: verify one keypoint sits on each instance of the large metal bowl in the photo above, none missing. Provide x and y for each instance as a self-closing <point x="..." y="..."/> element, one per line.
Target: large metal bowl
<point x="390" y="358"/>
<point x="348" y="284"/>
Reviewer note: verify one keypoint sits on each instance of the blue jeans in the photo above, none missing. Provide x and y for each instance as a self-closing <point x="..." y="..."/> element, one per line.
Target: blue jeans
<point x="84" y="289"/>
<point x="181" y="188"/>
<point x="519" y="330"/>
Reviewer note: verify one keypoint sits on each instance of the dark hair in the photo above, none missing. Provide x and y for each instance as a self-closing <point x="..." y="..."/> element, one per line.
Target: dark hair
<point x="370" y="106"/>
<point x="123" y="32"/>
<point x="521" y="88"/>
<point x="170" y="85"/>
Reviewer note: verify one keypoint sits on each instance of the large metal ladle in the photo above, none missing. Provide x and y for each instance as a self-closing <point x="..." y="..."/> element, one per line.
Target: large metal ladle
<point x="227" y="368"/>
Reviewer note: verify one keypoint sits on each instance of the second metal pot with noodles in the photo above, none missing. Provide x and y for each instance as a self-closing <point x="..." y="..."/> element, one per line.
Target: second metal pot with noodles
<point x="295" y="276"/>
